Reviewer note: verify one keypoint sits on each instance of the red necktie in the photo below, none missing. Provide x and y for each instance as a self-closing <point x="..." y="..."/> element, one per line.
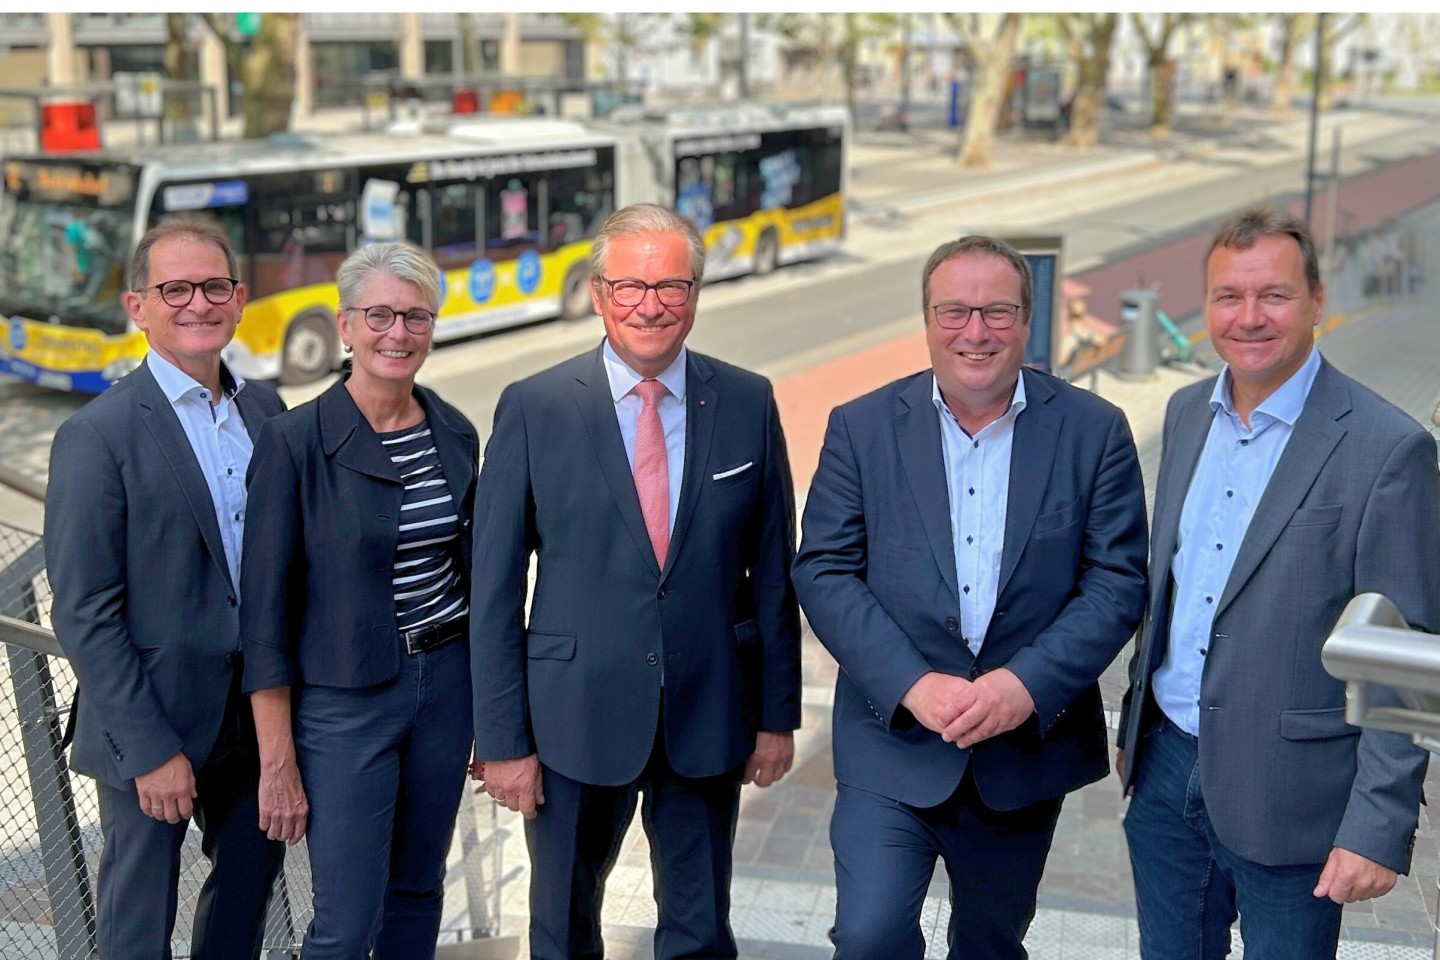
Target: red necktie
<point x="652" y="468"/>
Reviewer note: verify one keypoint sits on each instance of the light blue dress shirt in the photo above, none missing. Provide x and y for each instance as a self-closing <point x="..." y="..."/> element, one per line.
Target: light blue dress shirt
<point x="672" y="414"/>
<point x="221" y="444"/>
<point x="977" y="479"/>
<point x="1234" y="468"/>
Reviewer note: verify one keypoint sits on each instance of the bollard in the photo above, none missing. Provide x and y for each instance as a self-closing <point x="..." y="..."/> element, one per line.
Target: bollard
<point x="1140" y="324"/>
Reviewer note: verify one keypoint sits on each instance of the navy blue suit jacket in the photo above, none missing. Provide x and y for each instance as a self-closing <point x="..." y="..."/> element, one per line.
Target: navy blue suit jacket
<point x="579" y="681"/>
<point x="144" y="606"/>
<point x="876" y="577"/>
<point x="320" y="534"/>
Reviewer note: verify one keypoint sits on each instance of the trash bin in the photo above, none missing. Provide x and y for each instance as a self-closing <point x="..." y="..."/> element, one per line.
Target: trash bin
<point x="1140" y="324"/>
<point x="954" y="115"/>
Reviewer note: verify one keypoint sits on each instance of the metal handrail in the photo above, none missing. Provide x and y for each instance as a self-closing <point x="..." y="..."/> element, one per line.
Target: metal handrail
<point x="1373" y="645"/>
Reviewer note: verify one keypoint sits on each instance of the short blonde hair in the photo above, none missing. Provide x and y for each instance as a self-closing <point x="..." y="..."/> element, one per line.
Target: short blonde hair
<point x="646" y="219"/>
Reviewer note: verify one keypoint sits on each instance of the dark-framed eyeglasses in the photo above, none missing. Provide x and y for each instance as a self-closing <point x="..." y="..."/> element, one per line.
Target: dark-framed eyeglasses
<point x="629" y="293"/>
<point x="997" y="316"/>
<point x="380" y="318"/>
<point x="179" y="293"/>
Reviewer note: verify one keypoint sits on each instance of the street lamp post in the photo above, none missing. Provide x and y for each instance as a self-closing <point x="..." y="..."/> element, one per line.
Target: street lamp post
<point x="1315" y="112"/>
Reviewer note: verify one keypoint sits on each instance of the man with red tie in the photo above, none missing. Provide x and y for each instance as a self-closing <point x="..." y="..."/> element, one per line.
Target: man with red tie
<point x="661" y="654"/>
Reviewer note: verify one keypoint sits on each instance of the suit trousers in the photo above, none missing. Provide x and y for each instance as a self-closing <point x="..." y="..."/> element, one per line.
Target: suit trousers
<point x="140" y="861"/>
<point x="885" y="854"/>
<point x="575" y="840"/>
<point x="384" y="771"/>
<point x="1189" y="887"/>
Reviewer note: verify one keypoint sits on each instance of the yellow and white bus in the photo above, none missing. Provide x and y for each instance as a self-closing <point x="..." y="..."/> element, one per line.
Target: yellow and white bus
<point x="507" y="206"/>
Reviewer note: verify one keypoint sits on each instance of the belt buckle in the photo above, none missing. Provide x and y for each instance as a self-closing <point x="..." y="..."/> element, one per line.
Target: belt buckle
<point x="416" y="641"/>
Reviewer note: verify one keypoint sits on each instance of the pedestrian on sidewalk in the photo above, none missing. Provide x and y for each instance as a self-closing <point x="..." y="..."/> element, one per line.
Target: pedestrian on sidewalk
<point x="1285" y="489"/>
<point x="144" y="522"/>
<point x="974" y="557"/>
<point x="661" y="653"/>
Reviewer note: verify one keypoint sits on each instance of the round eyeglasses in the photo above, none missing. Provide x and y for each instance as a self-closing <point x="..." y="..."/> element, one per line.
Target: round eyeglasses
<point x="380" y="318"/>
<point x="629" y="293"/>
<point x="179" y="293"/>
<point x="996" y="316"/>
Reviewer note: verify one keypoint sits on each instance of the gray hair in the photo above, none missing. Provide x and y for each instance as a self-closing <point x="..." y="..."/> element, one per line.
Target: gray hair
<point x="646" y="219"/>
<point x="200" y="231"/>
<point x="403" y="261"/>
<point x="988" y="246"/>
<point x="1246" y="228"/>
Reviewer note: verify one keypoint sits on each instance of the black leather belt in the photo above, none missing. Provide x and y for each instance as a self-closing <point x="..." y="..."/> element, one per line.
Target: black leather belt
<point x="435" y="636"/>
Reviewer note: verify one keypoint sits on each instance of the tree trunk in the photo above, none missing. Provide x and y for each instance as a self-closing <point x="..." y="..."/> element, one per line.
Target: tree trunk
<point x="849" y="54"/>
<point x="987" y="94"/>
<point x="1284" y="89"/>
<point x="1162" y="95"/>
<point x="1094" y="65"/>
<point x="270" y="75"/>
<point x="179" y="64"/>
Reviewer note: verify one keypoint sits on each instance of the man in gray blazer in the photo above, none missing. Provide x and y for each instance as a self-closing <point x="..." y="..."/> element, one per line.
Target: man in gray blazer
<point x="1285" y="489"/>
<point x="143" y="525"/>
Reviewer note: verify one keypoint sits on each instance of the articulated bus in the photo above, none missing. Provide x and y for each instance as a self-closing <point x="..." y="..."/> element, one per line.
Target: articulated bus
<point x="507" y="206"/>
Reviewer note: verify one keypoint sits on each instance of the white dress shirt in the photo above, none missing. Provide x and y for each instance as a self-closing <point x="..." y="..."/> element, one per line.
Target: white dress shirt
<point x="1231" y="476"/>
<point x="977" y="478"/>
<point x="221" y="444"/>
<point x="672" y="414"/>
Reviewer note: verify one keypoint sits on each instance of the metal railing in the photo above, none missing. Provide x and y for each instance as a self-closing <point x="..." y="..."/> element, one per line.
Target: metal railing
<point x="1373" y="646"/>
<point x="50" y="825"/>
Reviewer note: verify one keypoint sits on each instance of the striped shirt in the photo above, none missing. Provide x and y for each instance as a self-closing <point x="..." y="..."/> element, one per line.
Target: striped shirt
<point x="427" y="584"/>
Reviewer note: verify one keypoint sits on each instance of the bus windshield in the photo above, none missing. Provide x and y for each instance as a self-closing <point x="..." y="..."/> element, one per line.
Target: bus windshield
<point x="64" y="261"/>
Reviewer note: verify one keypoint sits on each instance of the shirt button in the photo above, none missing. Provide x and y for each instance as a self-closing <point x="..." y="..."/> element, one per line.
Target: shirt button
<point x="651" y="659"/>
<point x="1204" y="651"/>
<point x="237" y="517"/>
<point x="1209" y="599"/>
<point x="969" y="539"/>
<point x="1229" y="493"/>
<point x="966" y="588"/>
<point x="229" y="471"/>
<point x="972" y="491"/>
<point x="1244" y="443"/>
<point x="977" y="444"/>
<point x="1219" y="546"/>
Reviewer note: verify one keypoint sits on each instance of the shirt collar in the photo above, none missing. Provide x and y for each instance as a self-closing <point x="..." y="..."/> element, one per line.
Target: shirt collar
<point x="176" y="383"/>
<point x="1285" y="404"/>
<point x="1017" y="399"/>
<point x="623" y="379"/>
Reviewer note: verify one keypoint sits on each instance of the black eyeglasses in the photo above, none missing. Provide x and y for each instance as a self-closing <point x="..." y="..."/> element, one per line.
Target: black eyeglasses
<point x="179" y="293"/>
<point x="997" y="316"/>
<point x="381" y="319"/>
<point x="629" y="293"/>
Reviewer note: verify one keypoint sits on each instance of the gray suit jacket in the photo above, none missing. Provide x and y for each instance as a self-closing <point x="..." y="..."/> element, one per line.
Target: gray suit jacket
<point x="1353" y="506"/>
<point x="143" y="603"/>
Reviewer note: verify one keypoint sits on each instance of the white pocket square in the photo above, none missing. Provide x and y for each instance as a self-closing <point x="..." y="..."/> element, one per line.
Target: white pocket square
<point x="730" y="473"/>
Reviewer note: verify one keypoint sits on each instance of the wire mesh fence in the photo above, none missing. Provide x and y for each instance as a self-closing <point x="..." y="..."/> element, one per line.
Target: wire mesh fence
<point x="50" y="838"/>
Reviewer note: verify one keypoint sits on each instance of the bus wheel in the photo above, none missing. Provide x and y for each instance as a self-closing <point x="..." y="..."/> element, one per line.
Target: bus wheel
<point x="309" y="349"/>
<point x="765" y="253"/>
<point x="575" y="301"/>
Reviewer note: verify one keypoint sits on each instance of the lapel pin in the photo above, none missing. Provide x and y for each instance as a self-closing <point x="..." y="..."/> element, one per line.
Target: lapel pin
<point x="702" y="403"/>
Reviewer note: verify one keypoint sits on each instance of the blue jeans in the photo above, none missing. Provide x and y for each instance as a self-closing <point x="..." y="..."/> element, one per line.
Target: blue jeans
<point x="1189" y="888"/>
<point x="384" y="770"/>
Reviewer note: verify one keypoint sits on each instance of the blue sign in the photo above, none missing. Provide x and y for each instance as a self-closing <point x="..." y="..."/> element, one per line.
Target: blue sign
<point x="444" y="288"/>
<point x="230" y="193"/>
<point x="17" y="334"/>
<point x="527" y="272"/>
<point x="482" y="280"/>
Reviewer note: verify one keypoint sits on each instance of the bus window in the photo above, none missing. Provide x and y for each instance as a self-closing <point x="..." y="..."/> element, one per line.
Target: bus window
<point x="453" y="218"/>
<point x="580" y="200"/>
<point x="65" y="260"/>
<point x="512" y="215"/>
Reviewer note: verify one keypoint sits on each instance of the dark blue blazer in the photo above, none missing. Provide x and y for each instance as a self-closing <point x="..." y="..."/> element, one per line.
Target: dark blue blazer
<point x="320" y="534"/>
<point x="143" y="606"/>
<point x="876" y="577"/>
<point x="579" y="680"/>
